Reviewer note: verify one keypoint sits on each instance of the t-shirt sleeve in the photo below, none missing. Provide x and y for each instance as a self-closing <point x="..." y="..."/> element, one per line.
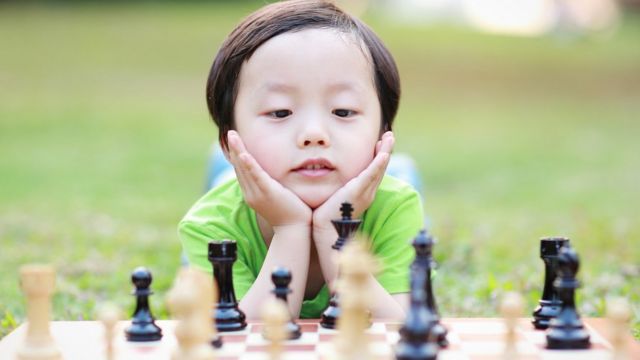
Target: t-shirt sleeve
<point x="195" y="238"/>
<point x="398" y="220"/>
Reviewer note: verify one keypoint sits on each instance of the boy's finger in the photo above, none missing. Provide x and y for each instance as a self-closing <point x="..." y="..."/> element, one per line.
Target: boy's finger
<point x="242" y="162"/>
<point x="257" y="176"/>
<point x="375" y="172"/>
<point x="386" y="143"/>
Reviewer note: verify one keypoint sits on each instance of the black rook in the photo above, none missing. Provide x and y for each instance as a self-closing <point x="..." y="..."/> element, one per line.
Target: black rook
<point x="227" y="314"/>
<point x="549" y="305"/>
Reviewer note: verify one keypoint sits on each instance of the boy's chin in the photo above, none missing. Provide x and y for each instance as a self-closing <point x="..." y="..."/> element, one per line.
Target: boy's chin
<point x="314" y="201"/>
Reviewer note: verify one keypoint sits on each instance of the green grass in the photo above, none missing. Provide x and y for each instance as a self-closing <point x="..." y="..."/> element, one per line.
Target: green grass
<point x="104" y="136"/>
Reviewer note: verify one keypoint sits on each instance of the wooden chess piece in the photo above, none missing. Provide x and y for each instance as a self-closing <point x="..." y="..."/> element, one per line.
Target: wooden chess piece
<point x="417" y="341"/>
<point x="566" y="331"/>
<point x="227" y="315"/>
<point x="190" y="301"/>
<point x="511" y="309"/>
<point x="38" y="283"/>
<point x="619" y="315"/>
<point x="275" y="316"/>
<point x="346" y="227"/>
<point x="423" y="245"/>
<point x="356" y="267"/>
<point x="281" y="278"/>
<point x="109" y="315"/>
<point x="550" y="304"/>
<point x="143" y="326"/>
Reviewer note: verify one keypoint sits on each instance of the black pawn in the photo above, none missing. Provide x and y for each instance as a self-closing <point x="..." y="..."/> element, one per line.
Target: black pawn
<point x="566" y="330"/>
<point x="346" y="228"/>
<point x="549" y="305"/>
<point x="416" y="339"/>
<point x="227" y="315"/>
<point x="423" y="245"/>
<point x="143" y="326"/>
<point x="281" y="278"/>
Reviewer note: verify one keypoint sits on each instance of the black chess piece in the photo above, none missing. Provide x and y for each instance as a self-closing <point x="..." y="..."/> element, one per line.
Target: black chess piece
<point x="143" y="326"/>
<point x="227" y="314"/>
<point x="566" y="331"/>
<point x="417" y="342"/>
<point x="423" y="245"/>
<point x="346" y="228"/>
<point x="281" y="278"/>
<point x="549" y="305"/>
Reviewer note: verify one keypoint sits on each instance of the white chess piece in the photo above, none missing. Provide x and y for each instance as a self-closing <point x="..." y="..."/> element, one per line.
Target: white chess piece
<point x="38" y="283"/>
<point x="275" y="316"/>
<point x="190" y="301"/>
<point x="356" y="266"/>
<point x="619" y="315"/>
<point x="511" y="309"/>
<point x="109" y="315"/>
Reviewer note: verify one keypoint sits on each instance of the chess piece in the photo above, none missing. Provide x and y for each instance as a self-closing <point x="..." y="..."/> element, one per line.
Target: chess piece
<point x="227" y="314"/>
<point x="275" y="316"/>
<point x="511" y="310"/>
<point x="281" y="278"/>
<point x="549" y="305"/>
<point x="356" y="266"/>
<point x="566" y="330"/>
<point x="38" y="283"/>
<point x="346" y="228"/>
<point x="417" y="342"/>
<point x="423" y="245"/>
<point x="619" y="315"/>
<point x="109" y="315"/>
<point x="189" y="301"/>
<point x="143" y="326"/>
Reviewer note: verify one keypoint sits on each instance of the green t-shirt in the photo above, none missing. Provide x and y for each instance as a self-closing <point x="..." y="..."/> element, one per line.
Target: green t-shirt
<point x="392" y="220"/>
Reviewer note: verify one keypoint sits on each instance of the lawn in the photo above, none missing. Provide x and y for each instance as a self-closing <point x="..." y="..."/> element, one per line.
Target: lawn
<point x="104" y="137"/>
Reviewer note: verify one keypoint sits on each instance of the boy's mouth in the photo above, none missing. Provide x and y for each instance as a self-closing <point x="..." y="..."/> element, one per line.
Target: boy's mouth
<point x="314" y="167"/>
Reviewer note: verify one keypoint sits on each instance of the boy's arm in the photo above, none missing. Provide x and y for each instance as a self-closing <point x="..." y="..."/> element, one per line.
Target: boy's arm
<point x="360" y="191"/>
<point x="288" y="247"/>
<point x="285" y="223"/>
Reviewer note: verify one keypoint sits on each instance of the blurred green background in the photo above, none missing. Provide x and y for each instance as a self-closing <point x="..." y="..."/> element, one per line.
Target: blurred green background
<point x="104" y="137"/>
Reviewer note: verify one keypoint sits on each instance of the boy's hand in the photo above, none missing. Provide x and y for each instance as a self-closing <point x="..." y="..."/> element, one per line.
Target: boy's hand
<point x="275" y="203"/>
<point x="359" y="191"/>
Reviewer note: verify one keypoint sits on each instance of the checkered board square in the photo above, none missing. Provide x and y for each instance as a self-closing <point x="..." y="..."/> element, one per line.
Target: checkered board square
<point x="470" y="338"/>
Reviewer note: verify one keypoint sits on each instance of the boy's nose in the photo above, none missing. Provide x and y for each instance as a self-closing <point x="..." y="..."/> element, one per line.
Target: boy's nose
<point x="313" y="135"/>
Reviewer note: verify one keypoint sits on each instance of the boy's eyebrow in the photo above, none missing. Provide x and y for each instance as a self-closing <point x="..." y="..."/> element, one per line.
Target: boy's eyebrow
<point x="286" y="88"/>
<point x="344" y="85"/>
<point x="277" y="87"/>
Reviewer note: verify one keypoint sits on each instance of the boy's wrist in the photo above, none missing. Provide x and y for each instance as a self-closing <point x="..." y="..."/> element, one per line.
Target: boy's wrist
<point x="324" y="234"/>
<point x="293" y="228"/>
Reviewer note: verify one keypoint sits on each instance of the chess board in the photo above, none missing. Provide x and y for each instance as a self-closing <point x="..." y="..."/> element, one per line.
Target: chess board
<point x="470" y="338"/>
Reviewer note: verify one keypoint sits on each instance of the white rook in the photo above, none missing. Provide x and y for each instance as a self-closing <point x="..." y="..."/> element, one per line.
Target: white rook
<point x="38" y="283"/>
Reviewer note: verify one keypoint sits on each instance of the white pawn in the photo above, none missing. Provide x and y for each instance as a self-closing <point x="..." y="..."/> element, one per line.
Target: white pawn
<point x="38" y="283"/>
<point x="619" y="314"/>
<point x="109" y="315"/>
<point x="190" y="301"/>
<point x="275" y="315"/>
<point x="356" y="267"/>
<point x="511" y="309"/>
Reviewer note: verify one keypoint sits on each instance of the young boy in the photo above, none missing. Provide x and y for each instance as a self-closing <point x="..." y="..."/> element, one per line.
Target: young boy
<point x="304" y="97"/>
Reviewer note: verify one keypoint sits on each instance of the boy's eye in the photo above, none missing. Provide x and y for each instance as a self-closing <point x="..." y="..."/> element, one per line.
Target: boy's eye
<point x="343" y="112"/>
<point x="280" y="113"/>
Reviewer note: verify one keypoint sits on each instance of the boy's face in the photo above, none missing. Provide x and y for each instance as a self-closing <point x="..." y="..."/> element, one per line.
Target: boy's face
<point x="308" y="111"/>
